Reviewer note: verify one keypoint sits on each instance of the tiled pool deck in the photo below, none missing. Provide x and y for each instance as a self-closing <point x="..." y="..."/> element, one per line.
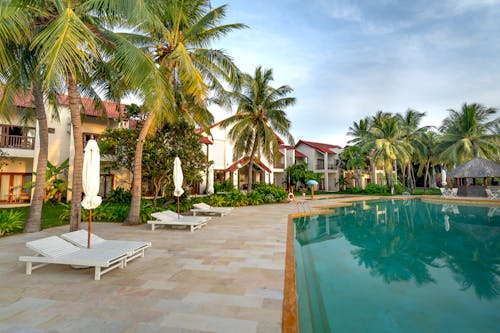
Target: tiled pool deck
<point x="226" y="277"/>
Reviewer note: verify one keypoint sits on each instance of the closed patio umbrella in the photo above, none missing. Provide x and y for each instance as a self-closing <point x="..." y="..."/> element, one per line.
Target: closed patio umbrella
<point x="178" y="179"/>
<point x="210" y="182"/>
<point x="90" y="180"/>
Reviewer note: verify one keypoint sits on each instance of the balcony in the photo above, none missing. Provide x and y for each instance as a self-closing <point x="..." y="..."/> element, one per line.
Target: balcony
<point x="321" y="166"/>
<point x="17" y="141"/>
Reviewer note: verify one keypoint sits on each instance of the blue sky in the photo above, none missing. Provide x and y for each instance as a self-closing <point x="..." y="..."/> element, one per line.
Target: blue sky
<point x="348" y="59"/>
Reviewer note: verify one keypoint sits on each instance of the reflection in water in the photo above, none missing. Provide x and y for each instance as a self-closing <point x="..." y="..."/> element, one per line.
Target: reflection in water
<point x="404" y="240"/>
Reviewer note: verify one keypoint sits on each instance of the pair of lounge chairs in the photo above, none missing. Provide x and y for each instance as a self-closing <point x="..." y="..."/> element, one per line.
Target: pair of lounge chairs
<point x="449" y="192"/>
<point x="169" y="218"/>
<point x="71" y="249"/>
<point x="204" y="209"/>
<point x="492" y="194"/>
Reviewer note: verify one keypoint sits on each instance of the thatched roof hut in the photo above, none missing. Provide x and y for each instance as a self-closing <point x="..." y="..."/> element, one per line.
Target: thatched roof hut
<point x="476" y="168"/>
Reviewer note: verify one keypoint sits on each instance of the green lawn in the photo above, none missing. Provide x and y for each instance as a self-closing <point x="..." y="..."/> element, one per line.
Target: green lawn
<point x="50" y="214"/>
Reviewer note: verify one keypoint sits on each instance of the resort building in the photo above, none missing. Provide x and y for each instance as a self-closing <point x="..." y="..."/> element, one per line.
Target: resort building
<point x="322" y="158"/>
<point x="19" y="143"/>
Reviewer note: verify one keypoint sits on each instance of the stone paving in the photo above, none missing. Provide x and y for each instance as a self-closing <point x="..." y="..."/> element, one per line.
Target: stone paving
<point x="226" y="277"/>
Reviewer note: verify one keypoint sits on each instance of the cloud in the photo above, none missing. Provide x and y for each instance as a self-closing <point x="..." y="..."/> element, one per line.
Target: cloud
<point x="341" y="9"/>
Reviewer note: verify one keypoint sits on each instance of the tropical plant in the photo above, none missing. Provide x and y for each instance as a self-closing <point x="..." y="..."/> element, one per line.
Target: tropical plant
<point x="299" y="174"/>
<point x="343" y="182"/>
<point x="468" y="133"/>
<point x="356" y="159"/>
<point x="10" y="221"/>
<point x="260" y="115"/>
<point x="388" y="144"/>
<point x="119" y="195"/>
<point x="179" y="31"/>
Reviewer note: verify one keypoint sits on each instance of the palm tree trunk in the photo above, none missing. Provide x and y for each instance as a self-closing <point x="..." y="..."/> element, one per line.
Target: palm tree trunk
<point x="76" y="121"/>
<point x="426" y="175"/>
<point x="33" y="223"/>
<point x="250" y="165"/>
<point x="135" y="204"/>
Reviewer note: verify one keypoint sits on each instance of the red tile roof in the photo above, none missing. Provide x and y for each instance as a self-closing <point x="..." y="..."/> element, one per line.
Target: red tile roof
<point x="299" y="154"/>
<point x="206" y="140"/>
<point x="322" y="147"/>
<point x="111" y="109"/>
<point x="244" y="161"/>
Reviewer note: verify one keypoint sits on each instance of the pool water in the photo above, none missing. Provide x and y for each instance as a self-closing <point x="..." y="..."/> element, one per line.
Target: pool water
<point x="399" y="266"/>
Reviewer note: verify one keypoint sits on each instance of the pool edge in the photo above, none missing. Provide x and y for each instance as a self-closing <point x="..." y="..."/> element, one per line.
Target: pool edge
<point x="290" y="319"/>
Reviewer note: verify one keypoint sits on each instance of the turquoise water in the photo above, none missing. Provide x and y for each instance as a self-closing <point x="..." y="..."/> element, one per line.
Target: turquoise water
<point x="399" y="266"/>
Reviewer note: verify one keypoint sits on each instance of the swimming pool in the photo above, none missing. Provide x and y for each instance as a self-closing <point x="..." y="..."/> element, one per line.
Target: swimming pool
<point x="399" y="266"/>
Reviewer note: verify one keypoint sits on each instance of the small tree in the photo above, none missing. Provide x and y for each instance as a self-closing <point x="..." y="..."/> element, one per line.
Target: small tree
<point x="298" y="174"/>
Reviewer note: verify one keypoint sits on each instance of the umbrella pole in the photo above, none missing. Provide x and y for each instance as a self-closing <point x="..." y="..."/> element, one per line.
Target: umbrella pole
<point x="88" y="228"/>
<point x="178" y="208"/>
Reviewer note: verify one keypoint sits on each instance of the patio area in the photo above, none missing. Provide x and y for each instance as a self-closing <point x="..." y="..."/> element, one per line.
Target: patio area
<point x="226" y="277"/>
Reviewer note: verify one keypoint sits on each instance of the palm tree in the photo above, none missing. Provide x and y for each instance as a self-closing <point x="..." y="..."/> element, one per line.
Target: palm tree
<point x="259" y="115"/>
<point x="410" y="122"/>
<point x="70" y="38"/>
<point x="387" y="140"/>
<point x="19" y="76"/>
<point x="469" y="133"/>
<point x="359" y="130"/>
<point x="426" y="155"/>
<point x="356" y="159"/>
<point x="180" y="32"/>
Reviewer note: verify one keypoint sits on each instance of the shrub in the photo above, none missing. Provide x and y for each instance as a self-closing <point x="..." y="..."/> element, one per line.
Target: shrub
<point x="119" y="195"/>
<point x="272" y="193"/>
<point x="226" y="186"/>
<point x="372" y="188"/>
<point x="10" y="221"/>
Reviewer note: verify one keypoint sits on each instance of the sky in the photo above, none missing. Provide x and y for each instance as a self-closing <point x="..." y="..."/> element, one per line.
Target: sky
<point x="347" y="60"/>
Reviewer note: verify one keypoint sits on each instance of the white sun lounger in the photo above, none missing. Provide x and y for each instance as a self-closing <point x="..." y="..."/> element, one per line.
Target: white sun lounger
<point x="449" y="193"/>
<point x="55" y="250"/>
<point x="493" y="195"/>
<point x="204" y="209"/>
<point x="170" y="218"/>
<point x="80" y="238"/>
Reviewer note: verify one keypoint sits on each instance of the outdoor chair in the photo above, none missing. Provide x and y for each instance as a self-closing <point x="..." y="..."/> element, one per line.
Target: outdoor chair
<point x="135" y="249"/>
<point x="204" y="209"/>
<point x="493" y="195"/>
<point x="449" y="193"/>
<point x="170" y="218"/>
<point x="55" y="250"/>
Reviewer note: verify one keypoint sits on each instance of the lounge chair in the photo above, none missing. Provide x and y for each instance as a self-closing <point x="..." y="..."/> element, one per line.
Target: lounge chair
<point x="493" y="195"/>
<point x="204" y="209"/>
<point x="449" y="193"/>
<point x="55" y="250"/>
<point x="80" y="238"/>
<point x="168" y="217"/>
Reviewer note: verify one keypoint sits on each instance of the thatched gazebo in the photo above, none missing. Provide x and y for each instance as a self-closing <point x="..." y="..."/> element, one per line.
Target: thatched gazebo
<point x="476" y="168"/>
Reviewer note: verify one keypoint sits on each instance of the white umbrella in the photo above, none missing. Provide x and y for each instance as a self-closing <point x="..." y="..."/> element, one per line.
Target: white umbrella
<point x="210" y="182"/>
<point x="443" y="177"/>
<point x="178" y="179"/>
<point x="91" y="179"/>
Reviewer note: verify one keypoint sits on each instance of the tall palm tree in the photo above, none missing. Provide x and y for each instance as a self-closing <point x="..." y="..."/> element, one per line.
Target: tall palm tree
<point x="468" y="133"/>
<point x="260" y="113"/>
<point x="180" y="32"/>
<point x="426" y="154"/>
<point x="359" y="130"/>
<point x="387" y="140"/>
<point x="20" y="77"/>
<point x="410" y="127"/>
<point x="70" y="37"/>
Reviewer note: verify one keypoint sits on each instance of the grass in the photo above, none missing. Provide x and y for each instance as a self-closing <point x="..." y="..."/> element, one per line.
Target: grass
<point x="50" y="214"/>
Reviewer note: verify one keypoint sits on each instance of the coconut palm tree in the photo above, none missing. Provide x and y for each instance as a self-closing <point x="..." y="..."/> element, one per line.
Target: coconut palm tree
<point x="410" y="127"/>
<point x="387" y="140"/>
<point x="179" y="33"/>
<point x="19" y="77"/>
<point x="468" y="133"/>
<point x="260" y="114"/>
<point x="426" y="155"/>
<point x="69" y="38"/>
